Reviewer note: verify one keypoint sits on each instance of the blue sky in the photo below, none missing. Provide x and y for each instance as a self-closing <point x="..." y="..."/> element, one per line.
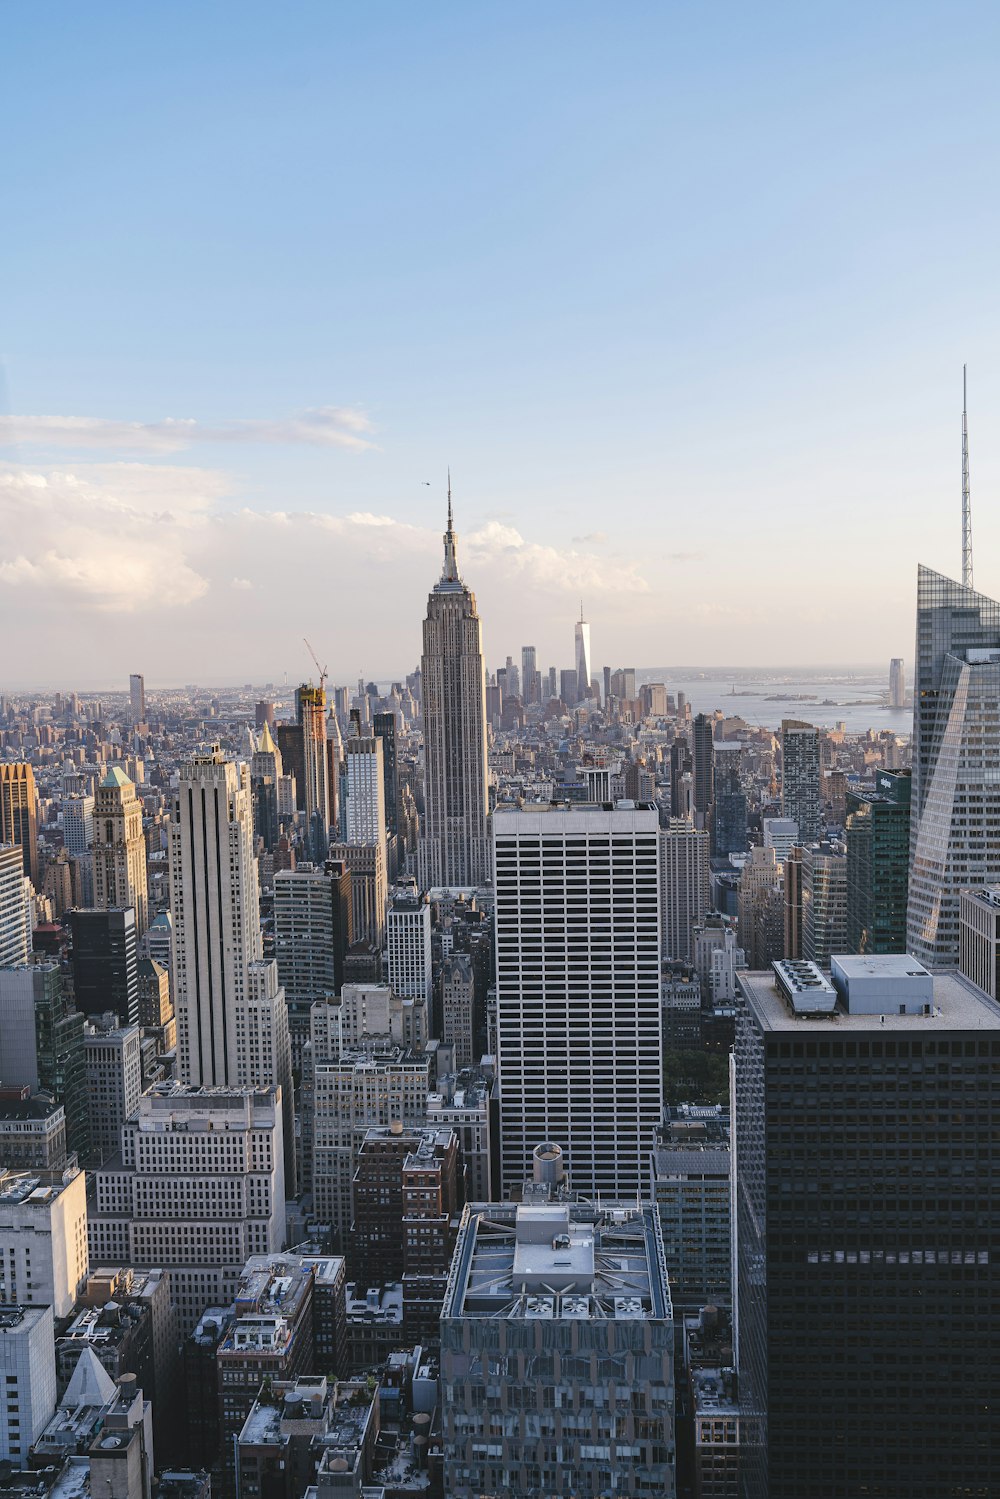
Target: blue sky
<point x="681" y="292"/>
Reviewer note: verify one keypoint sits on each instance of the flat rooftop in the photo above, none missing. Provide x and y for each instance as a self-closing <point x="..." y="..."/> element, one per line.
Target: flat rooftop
<point x="582" y="817"/>
<point x="36" y="1188"/>
<point x="957" y="1005"/>
<point x="566" y="1261"/>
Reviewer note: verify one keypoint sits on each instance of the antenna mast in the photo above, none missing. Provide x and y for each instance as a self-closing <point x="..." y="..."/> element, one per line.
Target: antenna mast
<point x="966" y="497"/>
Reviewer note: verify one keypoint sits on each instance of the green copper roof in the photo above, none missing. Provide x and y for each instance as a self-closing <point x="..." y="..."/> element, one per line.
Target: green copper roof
<point x="115" y="777"/>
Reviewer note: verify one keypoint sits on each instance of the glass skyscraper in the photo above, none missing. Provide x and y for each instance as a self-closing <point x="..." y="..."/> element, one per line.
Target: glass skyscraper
<point x="955" y="811"/>
<point x="878" y="857"/>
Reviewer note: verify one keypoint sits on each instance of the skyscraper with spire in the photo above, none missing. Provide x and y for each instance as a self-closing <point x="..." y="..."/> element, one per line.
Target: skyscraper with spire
<point x="582" y="656"/>
<point x="955" y="800"/>
<point x="453" y="845"/>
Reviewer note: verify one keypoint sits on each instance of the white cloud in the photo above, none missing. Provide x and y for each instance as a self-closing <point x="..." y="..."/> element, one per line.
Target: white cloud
<point x="321" y="426"/>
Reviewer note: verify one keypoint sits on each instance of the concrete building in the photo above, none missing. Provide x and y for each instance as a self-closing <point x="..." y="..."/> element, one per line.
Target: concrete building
<point x="364" y="772"/>
<point x="454" y="847"/>
<point x="78" y="826"/>
<point x="824" y="901"/>
<point x="313" y="932"/>
<point x="578" y="990"/>
<point x="716" y="1414"/>
<point x="155" y="1007"/>
<point x="270" y="1337"/>
<point x="979" y="938"/>
<point x="466" y="1103"/>
<point x="19" y="814"/>
<point x="120" y="848"/>
<point x="800" y="780"/>
<point x="761" y="910"/>
<point x="956" y="762"/>
<point x="28" y="1362"/>
<point x="15" y="908"/>
<point x="369" y="888"/>
<point x="530" y="1287"/>
<point x="114" y="1082"/>
<point x="685" y="887"/>
<point x="378" y="1084"/>
<point x="689" y="1182"/>
<point x="200" y="1186"/>
<point x="32" y="1130"/>
<point x="781" y="834"/>
<point x="838" y="1121"/>
<point x="137" y="698"/>
<point x="232" y="1021"/>
<point x="130" y="1326"/>
<point x="897" y="683"/>
<point x="43" y="1237"/>
<point x="457" y="1005"/>
<point x="408" y="945"/>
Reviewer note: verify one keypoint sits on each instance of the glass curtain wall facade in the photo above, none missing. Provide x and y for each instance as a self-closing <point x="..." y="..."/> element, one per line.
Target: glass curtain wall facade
<point x="955" y="811"/>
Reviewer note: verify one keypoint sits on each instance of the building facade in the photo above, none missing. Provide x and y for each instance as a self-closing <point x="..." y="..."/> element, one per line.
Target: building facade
<point x="578" y="990"/>
<point x="850" y="1097"/>
<point x="800" y="779"/>
<point x="120" y="848"/>
<point x="557" y="1354"/>
<point x="955" y="804"/>
<point x="454" y="849"/>
<point x="877" y="833"/>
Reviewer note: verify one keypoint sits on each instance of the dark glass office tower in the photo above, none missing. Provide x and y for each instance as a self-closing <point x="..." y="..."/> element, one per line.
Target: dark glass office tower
<point x="729" y="821"/>
<point x="955" y="811"/>
<point x="867" y="1215"/>
<point x="105" y="963"/>
<point x="384" y="726"/>
<point x="878" y="862"/>
<point x="703" y="754"/>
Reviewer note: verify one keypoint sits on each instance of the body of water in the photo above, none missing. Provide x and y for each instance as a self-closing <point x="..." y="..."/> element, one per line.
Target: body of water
<point x="854" y="701"/>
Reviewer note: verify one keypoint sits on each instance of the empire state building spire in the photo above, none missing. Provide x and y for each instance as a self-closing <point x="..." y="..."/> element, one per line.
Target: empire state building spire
<point x="453" y="845"/>
<point x="449" y="573"/>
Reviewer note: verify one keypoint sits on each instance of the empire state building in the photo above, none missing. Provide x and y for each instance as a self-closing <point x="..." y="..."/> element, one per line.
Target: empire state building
<point x="453" y="846"/>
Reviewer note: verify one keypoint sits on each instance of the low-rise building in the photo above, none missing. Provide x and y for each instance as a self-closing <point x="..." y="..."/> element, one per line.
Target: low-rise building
<point x="32" y="1130"/>
<point x="270" y="1337"/>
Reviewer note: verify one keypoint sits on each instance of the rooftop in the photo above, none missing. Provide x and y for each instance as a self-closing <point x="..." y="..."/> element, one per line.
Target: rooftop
<point x="558" y="1261"/>
<point x="37" y="1188"/>
<point x="957" y="1005"/>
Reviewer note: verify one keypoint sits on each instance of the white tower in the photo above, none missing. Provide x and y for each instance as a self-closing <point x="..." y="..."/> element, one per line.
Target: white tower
<point x="232" y="1021"/>
<point x="578" y="991"/>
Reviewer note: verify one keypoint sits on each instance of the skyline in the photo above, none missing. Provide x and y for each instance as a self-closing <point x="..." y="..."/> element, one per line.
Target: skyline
<point x="706" y="281"/>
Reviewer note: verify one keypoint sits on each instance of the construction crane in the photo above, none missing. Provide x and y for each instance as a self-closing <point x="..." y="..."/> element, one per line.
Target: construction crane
<point x="321" y="669"/>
